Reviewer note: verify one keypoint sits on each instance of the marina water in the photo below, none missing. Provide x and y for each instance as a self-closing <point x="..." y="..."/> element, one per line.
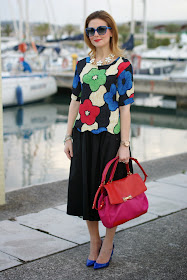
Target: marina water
<point x="34" y="134"/>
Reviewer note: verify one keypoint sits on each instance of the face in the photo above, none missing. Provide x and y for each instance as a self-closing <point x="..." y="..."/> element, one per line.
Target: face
<point x="97" y="40"/>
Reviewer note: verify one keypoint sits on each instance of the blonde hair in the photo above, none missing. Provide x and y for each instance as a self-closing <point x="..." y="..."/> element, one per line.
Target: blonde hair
<point x="110" y="23"/>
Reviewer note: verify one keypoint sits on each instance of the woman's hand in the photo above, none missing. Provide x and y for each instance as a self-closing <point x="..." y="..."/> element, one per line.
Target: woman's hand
<point x="68" y="148"/>
<point x="124" y="154"/>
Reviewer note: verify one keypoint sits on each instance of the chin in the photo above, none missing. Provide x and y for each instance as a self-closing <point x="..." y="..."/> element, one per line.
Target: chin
<point x="100" y="44"/>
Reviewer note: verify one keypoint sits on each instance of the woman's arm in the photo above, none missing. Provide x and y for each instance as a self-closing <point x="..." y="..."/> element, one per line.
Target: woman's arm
<point x="73" y="111"/>
<point x="125" y="124"/>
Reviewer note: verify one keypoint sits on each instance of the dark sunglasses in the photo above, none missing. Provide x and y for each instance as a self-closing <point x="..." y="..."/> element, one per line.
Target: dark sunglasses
<point x="101" y="30"/>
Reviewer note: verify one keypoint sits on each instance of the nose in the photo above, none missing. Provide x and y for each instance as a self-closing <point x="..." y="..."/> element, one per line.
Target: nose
<point x="96" y="33"/>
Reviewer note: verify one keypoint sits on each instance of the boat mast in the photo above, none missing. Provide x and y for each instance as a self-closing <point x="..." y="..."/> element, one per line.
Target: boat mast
<point x="109" y="7"/>
<point x="2" y="177"/>
<point x="48" y="18"/>
<point x="27" y="22"/>
<point x="132" y="17"/>
<point x="20" y="21"/>
<point x="14" y="18"/>
<point x="53" y="16"/>
<point x="84" y="18"/>
<point x="145" y="23"/>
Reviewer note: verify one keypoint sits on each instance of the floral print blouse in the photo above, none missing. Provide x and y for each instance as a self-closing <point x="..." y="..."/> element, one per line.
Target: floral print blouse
<point x="101" y="90"/>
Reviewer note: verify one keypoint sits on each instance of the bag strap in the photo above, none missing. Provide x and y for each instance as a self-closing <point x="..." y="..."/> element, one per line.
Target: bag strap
<point x="116" y="159"/>
<point x="114" y="169"/>
<point x="105" y="171"/>
<point x="100" y="189"/>
<point x="137" y="162"/>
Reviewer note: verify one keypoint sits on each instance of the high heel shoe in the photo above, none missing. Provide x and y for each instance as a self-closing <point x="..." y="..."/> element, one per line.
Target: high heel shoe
<point x="103" y="265"/>
<point x="91" y="262"/>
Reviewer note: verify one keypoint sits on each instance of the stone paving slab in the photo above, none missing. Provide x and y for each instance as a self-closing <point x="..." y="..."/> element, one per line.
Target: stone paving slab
<point x="177" y="180"/>
<point x="60" y="224"/>
<point x="166" y="196"/>
<point x="162" y="206"/>
<point x="137" y="221"/>
<point x="153" y="251"/>
<point x="168" y="191"/>
<point x="62" y="207"/>
<point x="28" y="244"/>
<point x="134" y="222"/>
<point x="7" y="261"/>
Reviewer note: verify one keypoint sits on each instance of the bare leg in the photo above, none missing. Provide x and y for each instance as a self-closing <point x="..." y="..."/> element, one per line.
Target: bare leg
<point x="107" y="246"/>
<point x="95" y="239"/>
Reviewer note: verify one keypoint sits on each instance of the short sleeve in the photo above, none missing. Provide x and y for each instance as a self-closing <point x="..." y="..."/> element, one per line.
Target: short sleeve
<point x="76" y="87"/>
<point x="125" y="83"/>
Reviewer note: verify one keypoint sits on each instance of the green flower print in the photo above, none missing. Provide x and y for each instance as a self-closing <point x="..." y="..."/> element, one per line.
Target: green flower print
<point x="95" y="78"/>
<point x="117" y="127"/>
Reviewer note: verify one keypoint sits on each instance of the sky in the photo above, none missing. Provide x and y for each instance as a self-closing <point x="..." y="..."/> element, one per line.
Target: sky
<point x="63" y="12"/>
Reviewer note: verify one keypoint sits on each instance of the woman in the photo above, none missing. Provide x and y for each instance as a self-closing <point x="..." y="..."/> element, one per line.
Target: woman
<point x="99" y="124"/>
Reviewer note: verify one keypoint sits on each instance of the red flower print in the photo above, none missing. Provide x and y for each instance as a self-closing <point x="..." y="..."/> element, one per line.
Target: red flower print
<point x="88" y="112"/>
<point x="122" y="67"/>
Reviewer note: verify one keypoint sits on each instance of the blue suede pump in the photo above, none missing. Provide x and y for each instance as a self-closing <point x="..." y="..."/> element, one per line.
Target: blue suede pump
<point x="103" y="265"/>
<point x="91" y="262"/>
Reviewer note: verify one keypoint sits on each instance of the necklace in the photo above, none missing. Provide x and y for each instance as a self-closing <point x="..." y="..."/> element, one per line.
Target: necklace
<point x="107" y="60"/>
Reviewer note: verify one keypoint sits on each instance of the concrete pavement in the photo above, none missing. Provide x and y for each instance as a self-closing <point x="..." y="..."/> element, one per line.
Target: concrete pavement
<point x="48" y="244"/>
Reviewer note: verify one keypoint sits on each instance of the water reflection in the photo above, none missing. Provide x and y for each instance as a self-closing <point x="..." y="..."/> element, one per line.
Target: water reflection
<point x="33" y="140"/>
<point x="33" y="145"/>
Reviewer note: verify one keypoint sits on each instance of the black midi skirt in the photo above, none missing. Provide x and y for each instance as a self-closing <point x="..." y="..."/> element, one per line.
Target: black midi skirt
<point x="91" y="153"/>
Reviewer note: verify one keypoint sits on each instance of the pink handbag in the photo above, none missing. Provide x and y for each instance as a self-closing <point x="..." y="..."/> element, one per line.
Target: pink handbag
<point x="121" y="200"/>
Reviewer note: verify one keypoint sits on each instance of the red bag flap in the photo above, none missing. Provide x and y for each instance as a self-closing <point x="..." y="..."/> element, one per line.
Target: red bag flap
<point x="124" y="189"/>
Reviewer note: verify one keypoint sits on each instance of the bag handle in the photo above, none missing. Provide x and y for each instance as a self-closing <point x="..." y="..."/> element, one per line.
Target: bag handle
<point x="116" y="159"/>
<point x="114" y="169"/>
<point x="105" y="171"/>
<point x="100" y="189"/>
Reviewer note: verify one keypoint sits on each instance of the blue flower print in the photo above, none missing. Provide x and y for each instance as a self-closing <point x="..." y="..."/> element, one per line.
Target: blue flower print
<point x="75" y="81"/>
<point x="108" y="97"/>
<point x="128" y="101"/>
<point x="97" y="131"/>
<point x="122" y="88"/>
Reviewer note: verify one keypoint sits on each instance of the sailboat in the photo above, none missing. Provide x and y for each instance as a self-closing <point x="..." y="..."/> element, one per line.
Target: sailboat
<point x="24" y="86"/>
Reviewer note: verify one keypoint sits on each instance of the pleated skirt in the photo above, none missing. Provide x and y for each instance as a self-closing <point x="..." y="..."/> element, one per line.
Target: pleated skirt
<point x="91" y="153"/>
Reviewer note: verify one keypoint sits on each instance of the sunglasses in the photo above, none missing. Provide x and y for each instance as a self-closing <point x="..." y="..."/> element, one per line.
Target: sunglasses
<point x="101" y="30"/>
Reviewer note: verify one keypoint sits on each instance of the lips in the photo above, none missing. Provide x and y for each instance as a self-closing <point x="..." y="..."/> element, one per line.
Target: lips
<point x="97" y="40"/>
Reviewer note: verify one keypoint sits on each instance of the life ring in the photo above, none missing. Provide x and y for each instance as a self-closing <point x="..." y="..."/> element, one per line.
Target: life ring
<point x="65" y="63"/>
<point x="136" y="61"/>
<point x="22" y="47"/>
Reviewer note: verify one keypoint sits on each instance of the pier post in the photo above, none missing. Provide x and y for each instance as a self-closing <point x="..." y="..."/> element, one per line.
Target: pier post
<point x="2" y="180"/>
<point x="74" y="61"/>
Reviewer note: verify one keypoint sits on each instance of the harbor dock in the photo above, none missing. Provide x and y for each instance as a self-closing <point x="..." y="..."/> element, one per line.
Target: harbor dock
<point x="143" y="83"/>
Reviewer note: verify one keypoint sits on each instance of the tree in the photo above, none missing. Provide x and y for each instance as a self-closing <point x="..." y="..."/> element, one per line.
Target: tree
<point x="153" y="42"/>
<point x="69" y="28"/>
<point x="41" y="30"/>
<point x="173" y="28"/>
<point x="178" y="38"/>
<point x="7" y="29"/>
<point x="124" y="31"/>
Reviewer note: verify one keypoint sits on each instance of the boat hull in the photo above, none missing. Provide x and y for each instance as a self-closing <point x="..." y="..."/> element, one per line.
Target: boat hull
<point x="29" y="87"/>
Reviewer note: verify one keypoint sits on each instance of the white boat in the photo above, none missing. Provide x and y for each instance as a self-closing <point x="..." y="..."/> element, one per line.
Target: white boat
<point x="173" y="52"/>
<point x="152" y="67"/>
<point x="23" y="88"/>
<point x="179" y="72"/>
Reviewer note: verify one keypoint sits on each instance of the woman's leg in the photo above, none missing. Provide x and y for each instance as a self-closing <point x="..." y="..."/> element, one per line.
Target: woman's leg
<point x="107" y="246"/>
<point x="95" y="239"/>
